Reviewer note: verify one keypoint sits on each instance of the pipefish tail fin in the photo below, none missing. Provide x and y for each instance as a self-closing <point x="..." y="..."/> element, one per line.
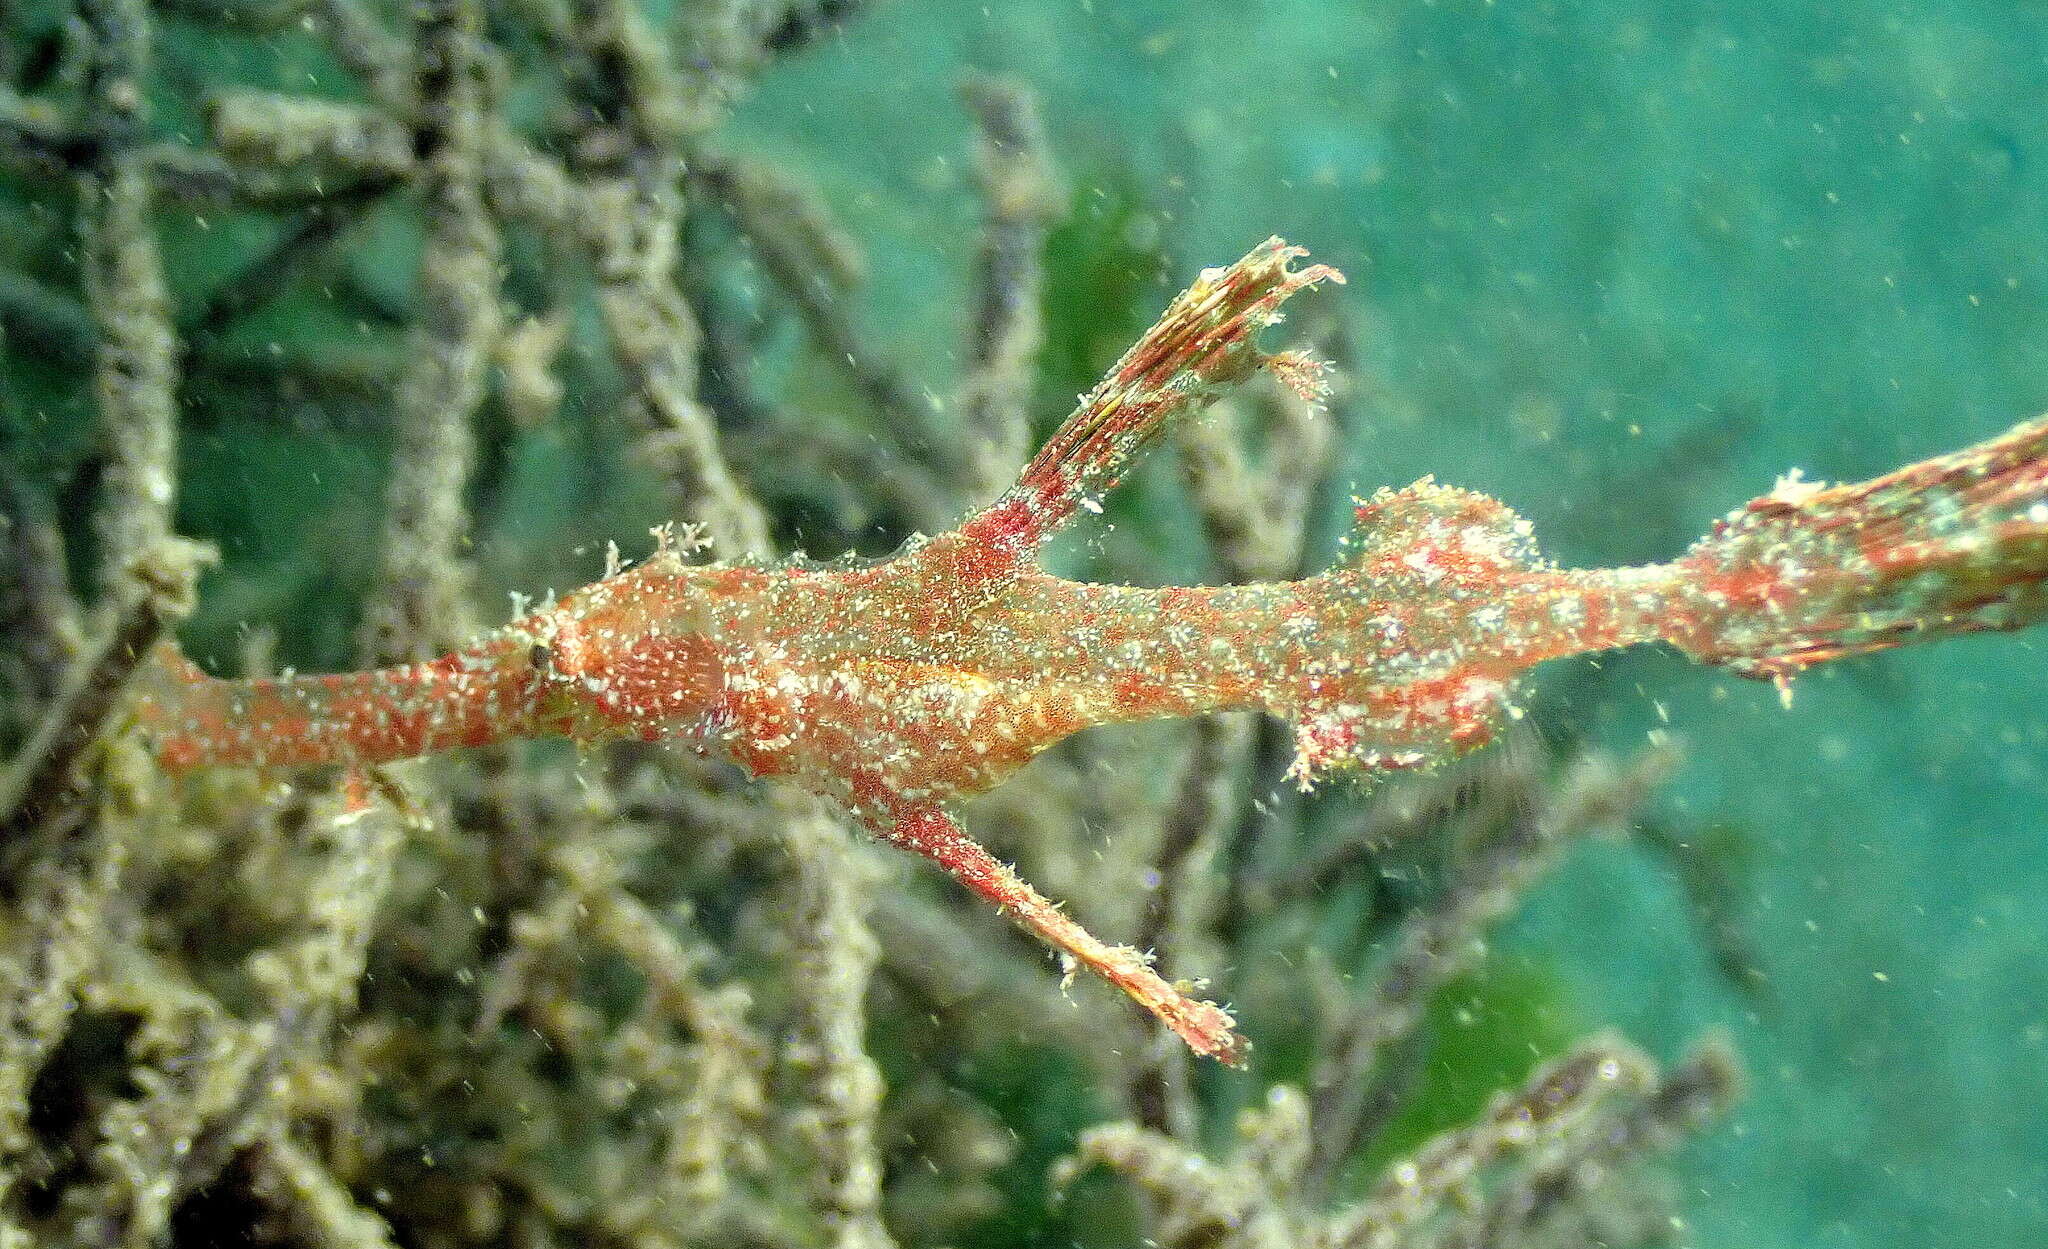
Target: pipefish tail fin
<point x="1807" y="573"/>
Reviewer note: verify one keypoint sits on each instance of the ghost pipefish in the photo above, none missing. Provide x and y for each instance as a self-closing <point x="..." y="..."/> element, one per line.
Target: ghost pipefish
<point x="901" y="688"/>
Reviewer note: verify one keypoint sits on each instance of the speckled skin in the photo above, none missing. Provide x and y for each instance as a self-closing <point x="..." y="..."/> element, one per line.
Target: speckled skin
<point x="900" y="687"/>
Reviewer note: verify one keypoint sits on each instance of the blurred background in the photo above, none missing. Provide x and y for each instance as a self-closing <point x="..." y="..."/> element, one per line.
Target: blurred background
<point x="1619" y="264"/>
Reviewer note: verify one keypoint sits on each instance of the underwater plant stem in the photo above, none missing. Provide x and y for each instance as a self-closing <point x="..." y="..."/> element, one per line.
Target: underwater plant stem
<point x="135" y="367"/>
<point x="40" y="783"/>
<point x="1014" y="177"/>
<point x="630" y="219"/>
<point x="421" y="602"/>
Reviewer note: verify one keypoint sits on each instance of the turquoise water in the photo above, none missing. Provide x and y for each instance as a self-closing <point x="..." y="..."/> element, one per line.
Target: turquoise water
<point x="1621" y="264"/>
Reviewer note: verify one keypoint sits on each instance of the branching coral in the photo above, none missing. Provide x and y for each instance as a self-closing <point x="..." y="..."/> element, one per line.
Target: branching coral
<point x="1531" y="1153"/>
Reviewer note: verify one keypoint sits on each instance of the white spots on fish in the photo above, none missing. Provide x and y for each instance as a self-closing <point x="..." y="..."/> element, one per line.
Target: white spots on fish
<point x="1793" y="490"/>
<point x="1423" y="565"/>
<point x="1479" y="693"/>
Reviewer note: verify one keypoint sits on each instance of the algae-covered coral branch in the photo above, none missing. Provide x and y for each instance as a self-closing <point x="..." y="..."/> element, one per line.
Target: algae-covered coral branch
<point x="421" y="603"/>
<point x="124" y="286"/>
